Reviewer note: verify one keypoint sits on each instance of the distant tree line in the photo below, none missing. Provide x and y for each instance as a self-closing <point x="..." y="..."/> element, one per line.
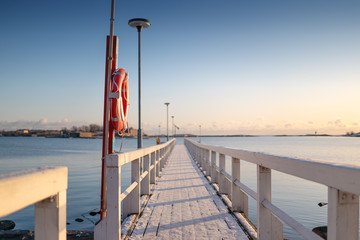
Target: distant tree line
<point x="83" y="128"/>
<point x="351" y="133"/>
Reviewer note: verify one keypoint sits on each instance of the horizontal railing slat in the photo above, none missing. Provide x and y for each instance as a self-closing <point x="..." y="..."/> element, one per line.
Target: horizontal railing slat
<point x="128" y="190"/>
<point x="298" y="227"/>
<point x="227" y="176"/>
<point x="143" y="175"/>
<point x="246" y="189"/>
<point x="215" y="166"/>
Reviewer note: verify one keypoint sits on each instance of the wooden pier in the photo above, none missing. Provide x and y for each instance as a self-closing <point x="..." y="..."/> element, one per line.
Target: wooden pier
<point x="180" y="191"/>
<point x="185" y="206"/>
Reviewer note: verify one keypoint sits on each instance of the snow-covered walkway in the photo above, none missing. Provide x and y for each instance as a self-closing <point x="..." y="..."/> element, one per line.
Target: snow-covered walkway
<point x="185" y="206"/>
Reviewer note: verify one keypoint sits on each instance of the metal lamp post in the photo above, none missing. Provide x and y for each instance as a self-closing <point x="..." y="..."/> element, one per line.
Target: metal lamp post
<point x="167" y="120"/>
<point x="139" y="24"/>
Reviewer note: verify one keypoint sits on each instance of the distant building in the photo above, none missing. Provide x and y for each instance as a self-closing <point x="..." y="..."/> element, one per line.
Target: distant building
<point x="22" y="131"/>
<point x="86" y="134"/>
<point x="134" y="132"/>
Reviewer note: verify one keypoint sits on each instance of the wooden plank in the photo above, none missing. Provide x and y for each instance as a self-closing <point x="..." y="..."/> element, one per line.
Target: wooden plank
<point x="183" y="206"/>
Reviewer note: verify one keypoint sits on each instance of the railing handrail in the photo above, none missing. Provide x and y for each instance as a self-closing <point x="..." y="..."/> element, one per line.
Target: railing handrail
<point x="342" y="181"/>
<point x="46" y="188"/>
<point x="24" y="188"/>
<point x="341" y="176"/>
<point x="118" y="159"/>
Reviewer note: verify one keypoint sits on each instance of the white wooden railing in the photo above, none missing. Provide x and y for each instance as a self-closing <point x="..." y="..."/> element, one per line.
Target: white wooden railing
<point x="153" y="161"/>
<point x="46" y="188"/>
<point x="343" y="183"/>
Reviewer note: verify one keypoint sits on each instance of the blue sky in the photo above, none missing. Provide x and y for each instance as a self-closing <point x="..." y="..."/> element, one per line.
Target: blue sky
<point x="233" y="67"/>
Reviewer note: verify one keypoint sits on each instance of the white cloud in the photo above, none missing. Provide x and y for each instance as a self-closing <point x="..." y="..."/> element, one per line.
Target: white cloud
<point x="65" y="120"/>
<point x="43" y="123"/>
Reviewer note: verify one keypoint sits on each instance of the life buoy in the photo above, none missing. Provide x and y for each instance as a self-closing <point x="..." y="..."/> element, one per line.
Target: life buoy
<point x="120" y="106"/>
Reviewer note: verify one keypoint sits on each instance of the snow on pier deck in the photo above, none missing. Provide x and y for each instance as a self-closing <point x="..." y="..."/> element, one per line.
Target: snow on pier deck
<point x="185" y="206"/>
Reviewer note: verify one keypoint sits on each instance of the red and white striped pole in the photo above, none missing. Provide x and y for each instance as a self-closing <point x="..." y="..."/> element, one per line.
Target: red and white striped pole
<point x="108" y="131"/>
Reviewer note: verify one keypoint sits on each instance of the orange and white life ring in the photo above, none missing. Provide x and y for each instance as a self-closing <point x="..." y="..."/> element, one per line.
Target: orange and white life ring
<point x="120" y="106"/>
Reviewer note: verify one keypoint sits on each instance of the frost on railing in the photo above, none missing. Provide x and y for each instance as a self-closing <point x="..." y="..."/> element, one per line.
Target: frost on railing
<point x="46" y="188"/>
<point x="146" y="165"/>
<point x="342" y="182"/>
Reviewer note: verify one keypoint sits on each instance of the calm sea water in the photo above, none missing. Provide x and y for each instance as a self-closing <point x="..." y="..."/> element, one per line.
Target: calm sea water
<point x="299" y="198"/>
<point x="83" y="159"/>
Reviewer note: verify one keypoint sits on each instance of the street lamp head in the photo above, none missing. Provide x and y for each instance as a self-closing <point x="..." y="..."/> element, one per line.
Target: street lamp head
<point x="139" y="23"/>
<point x="167" y="103"/>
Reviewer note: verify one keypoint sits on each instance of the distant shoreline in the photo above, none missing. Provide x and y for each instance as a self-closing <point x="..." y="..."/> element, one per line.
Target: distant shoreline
<point x="183" y="135"/>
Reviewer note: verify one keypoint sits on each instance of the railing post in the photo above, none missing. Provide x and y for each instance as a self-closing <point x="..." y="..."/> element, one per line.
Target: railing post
<point x="269" y="227"/>
<point x="198" y="155"/>
<point x="110" y="227"/>
<point x="157" y="162"/>
<point x="224" y="183"/>
<point x="205" y="166"/>
<point x="192" y="150"/>
<point x="153" y="171"/>
<point x="162" y="159"/>
<point x="203" y="159"/>
<point x="167" y="155"/>
<point x="207" y="162"/>
<point x="132" y="201"/>
<point x="239" y="199"/>
<point x="145" y="183"/>
<point x="50" y="218"/>
<point x="200" y="158"/>
<point x="343" y="215"/>
<point x="214" y="174"/>
<point x="222" y="179"/>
